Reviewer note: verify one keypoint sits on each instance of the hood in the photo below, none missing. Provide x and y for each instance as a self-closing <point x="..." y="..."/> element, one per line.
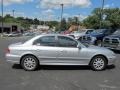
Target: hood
<point x="96" y="47"/>
<point x="113" y="36"/>
<point x="96" y="34"/>
<point x="101" y="50"/>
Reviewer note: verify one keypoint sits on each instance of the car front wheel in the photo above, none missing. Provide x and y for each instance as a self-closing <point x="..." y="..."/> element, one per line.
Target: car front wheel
<point x="98" y="63"/>
<point x="29" y="63"/>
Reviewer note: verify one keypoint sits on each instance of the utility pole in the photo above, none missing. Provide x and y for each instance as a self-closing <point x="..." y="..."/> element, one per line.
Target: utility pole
<point x="44" y="22"/>
<point x="79" y="21"/>
<point x="101" y="13"/>
<point x="13" y="11"/>
<point x="62" y="5"/>
<point x="2" y="21"/>
<point x="13" y="14"/>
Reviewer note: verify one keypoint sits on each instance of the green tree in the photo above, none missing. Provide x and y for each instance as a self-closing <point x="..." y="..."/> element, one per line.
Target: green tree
<point x="52" y="24"/>
<point x="92" y="22"/>
<point x="26" y="22"/>
<point x="111" y="19"/>
<point x="36" y="21"/>
<point x="8" y="19"/>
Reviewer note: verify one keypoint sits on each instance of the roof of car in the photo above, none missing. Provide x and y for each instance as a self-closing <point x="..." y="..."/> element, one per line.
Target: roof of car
<point x="38" y="36"/>
<point x="52" y="35"/>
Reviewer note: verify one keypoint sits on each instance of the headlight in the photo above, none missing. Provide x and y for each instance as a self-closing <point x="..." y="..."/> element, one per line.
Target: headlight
<point x="76" y="37"/>
<point x="93" y="39"/>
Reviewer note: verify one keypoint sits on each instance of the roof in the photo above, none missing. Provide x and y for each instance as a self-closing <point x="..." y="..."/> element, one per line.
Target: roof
<point x="8" y="24"/>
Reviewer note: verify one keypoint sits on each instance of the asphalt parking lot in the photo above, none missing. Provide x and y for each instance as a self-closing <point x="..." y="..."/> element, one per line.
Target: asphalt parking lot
<point x="13" y="77"/>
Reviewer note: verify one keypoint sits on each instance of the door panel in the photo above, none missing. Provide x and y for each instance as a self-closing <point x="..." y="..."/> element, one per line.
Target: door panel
<point x="46" y="54"/>
<point x="45" y="48"/>
<point x="69" y="54"/>
<point x="68" y="51"/>
<point x="72" y="56"/>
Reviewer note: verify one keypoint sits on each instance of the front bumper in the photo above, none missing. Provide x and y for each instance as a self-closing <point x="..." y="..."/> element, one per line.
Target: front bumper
<point x="111" y="60"/>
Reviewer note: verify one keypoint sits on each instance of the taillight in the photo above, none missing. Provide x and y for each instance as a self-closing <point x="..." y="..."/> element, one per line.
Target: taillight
<point x="7" y="50"/>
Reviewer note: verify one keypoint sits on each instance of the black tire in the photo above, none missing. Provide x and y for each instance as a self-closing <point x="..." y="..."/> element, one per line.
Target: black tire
<point x="29" y="63"/>
<point x="98" y="63"/>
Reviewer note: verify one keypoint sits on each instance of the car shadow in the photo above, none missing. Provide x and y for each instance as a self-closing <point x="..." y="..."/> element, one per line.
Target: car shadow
<point x="110" y="67"/>
<point x="116" y="51"/>
<point x="17" y="66"/>
<point x="65" y="67"/>
<point x="47" y="67"/>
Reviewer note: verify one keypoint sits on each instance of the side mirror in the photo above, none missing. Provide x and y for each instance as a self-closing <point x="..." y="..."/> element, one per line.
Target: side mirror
<point x="78" y="46"/>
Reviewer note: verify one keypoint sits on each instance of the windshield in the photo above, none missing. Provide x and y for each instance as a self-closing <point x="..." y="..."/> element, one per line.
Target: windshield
<point x="116" y="32"/>
<point x="83" y="44"/>
<point x="99" y="31"/>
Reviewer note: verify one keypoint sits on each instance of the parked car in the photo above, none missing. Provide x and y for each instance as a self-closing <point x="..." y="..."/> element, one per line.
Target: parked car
<point x="96" y="37"/>
<point x="112" y="41"/>
<point x="28" y="34"/>
<point x="5" y="34"/>
<point x="58" y="50"/>
<point x="77" y="34"/>
<point x="13" y="34"/>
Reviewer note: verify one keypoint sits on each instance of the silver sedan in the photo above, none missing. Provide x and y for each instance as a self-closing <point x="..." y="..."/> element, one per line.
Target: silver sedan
<point x="58" y="50"/>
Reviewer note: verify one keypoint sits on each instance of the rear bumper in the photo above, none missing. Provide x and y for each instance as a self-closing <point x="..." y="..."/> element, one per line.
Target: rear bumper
<point x="13" y="58"/>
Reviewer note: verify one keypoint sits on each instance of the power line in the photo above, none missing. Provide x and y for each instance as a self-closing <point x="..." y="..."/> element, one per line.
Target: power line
<point x="2" y="28"/>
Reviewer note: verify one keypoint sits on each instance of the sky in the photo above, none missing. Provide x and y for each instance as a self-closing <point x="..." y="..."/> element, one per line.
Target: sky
<point x="51" y="9"/>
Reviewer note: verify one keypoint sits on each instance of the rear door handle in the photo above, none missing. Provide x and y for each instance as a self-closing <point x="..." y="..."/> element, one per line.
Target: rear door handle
<point x="63" y="51"/>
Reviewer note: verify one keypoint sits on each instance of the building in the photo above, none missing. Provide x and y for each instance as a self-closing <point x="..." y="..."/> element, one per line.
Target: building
<point x="40" y="28"/>
<point x="10" y="27"/>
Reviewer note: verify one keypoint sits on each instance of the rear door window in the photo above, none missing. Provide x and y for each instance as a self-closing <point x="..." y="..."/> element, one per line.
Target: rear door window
<point x="46" y="41"/>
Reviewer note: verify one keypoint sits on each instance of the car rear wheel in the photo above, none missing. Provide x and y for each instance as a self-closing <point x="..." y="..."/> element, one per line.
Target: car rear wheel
<point x="98" y="63"/>
<point x="29" y="63"/>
